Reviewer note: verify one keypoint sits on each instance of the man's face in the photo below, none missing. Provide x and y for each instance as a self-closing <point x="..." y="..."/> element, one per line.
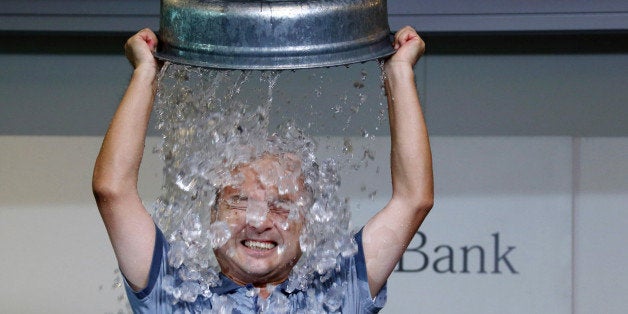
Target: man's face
<point x="264" y="243"/>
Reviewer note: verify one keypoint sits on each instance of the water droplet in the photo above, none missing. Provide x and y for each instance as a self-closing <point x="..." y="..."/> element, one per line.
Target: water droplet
<point x="219" y="233"/>
<point x="347" y="146"/>
<point x="334" y="297"/>
<point x="364" y="132"/>
<point x="358" y="84"/>
<point x="372" y="195"/>
<point x="117" y="283"/>
<point x="281" y="249"/>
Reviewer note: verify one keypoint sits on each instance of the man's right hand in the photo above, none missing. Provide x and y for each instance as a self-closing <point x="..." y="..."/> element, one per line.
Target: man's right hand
<point x="139" y="50"/>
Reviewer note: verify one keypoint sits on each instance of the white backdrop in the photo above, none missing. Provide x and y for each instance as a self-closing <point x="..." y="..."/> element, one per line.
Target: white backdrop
<point x="514" y="192"/>
<point x="508" y="197"/>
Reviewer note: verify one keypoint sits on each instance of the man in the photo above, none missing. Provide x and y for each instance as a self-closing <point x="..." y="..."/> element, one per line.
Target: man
<point x="260" y="254"/>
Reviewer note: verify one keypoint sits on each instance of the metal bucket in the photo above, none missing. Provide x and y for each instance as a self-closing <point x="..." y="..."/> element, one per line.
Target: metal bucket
<point x="273" y="34"/>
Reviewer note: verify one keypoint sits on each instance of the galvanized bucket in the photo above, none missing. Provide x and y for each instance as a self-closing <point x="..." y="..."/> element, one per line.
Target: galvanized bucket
<point x="273" y="34"/>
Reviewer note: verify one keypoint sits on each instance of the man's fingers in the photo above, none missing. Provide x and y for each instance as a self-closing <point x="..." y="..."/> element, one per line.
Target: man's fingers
<point x="404" y="35"/>
<point x="148" y="37"/>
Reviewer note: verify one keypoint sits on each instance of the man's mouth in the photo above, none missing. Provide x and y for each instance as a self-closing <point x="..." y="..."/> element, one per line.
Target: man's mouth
<point x="258" y="245"/>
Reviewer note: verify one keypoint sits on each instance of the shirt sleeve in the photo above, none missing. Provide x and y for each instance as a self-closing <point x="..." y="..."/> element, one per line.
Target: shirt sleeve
<point x="149" y="299"/>
<point x="368" y="304"/>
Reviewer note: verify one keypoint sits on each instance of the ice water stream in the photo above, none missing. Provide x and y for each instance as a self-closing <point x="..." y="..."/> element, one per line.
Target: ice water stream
<point x="215" y="120"/>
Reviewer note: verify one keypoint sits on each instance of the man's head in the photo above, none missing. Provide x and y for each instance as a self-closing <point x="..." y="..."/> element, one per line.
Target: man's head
<point x="264" y="209"/>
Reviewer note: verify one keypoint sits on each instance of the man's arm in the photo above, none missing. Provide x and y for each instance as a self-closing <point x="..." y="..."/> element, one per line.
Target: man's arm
<point x="388" y="233"/>
<point x="114" y="182"/>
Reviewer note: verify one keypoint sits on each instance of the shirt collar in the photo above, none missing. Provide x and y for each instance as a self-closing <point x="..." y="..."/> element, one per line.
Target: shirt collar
<point x="229" y="286"/>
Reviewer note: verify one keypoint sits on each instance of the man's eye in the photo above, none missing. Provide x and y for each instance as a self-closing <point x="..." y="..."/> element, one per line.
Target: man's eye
<point x="238" y="202"/>
<point x="281" y="208"/>
<point x="239" y="198"/>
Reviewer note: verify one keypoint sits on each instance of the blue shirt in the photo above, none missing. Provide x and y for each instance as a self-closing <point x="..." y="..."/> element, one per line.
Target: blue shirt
<point x="350" y="284"/>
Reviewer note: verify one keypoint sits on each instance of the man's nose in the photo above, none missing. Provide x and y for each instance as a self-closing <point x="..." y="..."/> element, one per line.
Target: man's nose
<point x="257" y="215"/>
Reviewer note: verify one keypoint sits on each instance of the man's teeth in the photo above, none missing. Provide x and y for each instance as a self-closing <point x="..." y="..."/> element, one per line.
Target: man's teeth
<point x="259" y="245"/>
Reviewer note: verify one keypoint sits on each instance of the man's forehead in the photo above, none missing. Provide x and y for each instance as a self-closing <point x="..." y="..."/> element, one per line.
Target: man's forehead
<point x="272" y="172"/>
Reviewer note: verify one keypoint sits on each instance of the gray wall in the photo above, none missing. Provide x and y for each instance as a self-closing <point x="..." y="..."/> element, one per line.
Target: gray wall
<point x="492" y="68"/>
<point x="464" y="92"/>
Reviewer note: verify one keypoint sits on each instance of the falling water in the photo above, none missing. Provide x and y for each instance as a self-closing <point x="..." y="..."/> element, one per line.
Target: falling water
<point x="215" y="120"/>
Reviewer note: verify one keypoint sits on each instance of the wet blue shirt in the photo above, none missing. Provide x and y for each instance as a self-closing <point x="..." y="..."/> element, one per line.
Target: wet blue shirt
<point x="350" y="281"/>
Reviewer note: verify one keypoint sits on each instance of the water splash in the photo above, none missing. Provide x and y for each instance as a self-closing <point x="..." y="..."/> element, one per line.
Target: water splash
<point x="208" y="130"/>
